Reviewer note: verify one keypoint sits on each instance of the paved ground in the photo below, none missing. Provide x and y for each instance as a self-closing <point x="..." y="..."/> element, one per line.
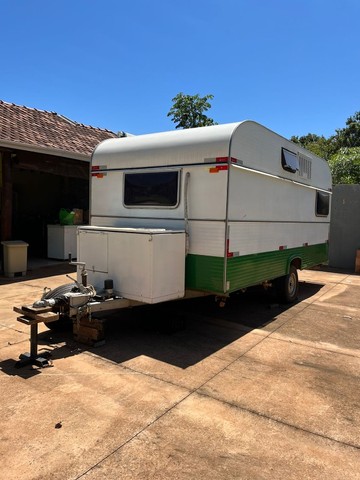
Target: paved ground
<point x="251" y="391"/>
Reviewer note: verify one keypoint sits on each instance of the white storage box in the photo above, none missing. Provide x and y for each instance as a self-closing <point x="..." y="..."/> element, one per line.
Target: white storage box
<point x="61" y="241"/>
<point x="147" y="265"/>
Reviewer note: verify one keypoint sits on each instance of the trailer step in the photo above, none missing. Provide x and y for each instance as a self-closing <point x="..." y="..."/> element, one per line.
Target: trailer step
<point x="31" y="314"/>
<point x="30" y="319"/>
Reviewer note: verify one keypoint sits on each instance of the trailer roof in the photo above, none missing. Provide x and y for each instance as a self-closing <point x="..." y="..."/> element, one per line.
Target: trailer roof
<point x="201" y="141"/>
<point x="167" y="138"/>
<point x="250" y="142"/>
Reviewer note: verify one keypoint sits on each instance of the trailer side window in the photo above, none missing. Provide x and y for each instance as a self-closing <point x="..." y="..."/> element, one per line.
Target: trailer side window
<point x="289" y="161"/>
<point x="322" y="204"/>
<point x="153" y="189"/>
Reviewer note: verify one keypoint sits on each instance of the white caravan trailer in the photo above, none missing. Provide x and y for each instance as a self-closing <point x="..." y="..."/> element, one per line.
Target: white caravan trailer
<point x="209" y="210"/>
<point x="213" y="209"/>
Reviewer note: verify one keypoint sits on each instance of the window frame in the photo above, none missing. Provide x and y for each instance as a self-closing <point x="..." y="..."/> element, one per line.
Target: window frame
<point x="289" y="160"/>
<point x="149" y="172"/>
<point x="321" y="196"/>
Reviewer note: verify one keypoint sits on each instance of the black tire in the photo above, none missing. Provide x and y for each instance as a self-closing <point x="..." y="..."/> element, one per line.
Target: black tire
<point x="63" y="324"/>
<point x="288" y="286"/>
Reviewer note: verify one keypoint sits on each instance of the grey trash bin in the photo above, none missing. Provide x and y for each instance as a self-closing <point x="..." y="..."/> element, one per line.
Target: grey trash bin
<point x="15" y="257"/>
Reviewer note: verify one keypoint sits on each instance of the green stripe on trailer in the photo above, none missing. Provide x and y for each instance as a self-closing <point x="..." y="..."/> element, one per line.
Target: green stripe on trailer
<point x="206" y="273"/>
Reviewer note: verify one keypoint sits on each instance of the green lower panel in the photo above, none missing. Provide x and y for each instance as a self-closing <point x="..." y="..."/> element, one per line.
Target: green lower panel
<point x="206" y="273"/>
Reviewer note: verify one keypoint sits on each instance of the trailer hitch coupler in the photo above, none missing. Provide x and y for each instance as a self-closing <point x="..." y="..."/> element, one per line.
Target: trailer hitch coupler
<point x="84" y="274"/>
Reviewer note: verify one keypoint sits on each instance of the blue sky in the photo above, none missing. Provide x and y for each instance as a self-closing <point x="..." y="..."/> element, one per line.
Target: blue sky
<point x="291" y="65"/>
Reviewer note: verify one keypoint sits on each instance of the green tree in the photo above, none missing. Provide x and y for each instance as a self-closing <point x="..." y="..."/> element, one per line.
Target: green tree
<point x="345" y="166"/>
<point x="187" y="111"/>
<point x="341" y="150"/>
<point x="350" y="135"/>
<point x="321" y="146"/>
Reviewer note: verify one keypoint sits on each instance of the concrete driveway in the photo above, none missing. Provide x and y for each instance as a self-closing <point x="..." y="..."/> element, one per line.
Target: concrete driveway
<point x="254" y="390"/>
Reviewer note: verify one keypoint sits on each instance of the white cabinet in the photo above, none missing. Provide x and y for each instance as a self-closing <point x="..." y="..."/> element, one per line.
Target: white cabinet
<point x="145" y="264"/>
<point x="61" y="241"/>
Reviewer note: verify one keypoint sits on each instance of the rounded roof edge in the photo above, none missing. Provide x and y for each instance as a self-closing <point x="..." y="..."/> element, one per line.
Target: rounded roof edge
<point x="186" y="136"/>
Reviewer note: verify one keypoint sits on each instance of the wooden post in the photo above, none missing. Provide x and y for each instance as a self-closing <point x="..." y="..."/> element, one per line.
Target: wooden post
<point x="357" y="261"/>
<point x="6" y="197"/>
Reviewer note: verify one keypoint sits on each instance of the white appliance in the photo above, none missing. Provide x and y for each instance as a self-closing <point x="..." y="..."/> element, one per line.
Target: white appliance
<point x="61" y="241"/>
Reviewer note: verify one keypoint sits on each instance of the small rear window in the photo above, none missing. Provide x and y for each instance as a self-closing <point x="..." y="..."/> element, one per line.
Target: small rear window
<point x="151" y="189"/>
<point x="322" y="204"/>
<point x="289" y="161"/>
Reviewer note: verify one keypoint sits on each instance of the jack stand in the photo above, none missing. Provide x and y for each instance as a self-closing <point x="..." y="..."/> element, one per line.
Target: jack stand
<point x="33" y="316"/>
<point x="33" y="358"/>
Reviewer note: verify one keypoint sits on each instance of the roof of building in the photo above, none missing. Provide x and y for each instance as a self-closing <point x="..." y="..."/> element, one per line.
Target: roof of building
<point x="31" y="129"/>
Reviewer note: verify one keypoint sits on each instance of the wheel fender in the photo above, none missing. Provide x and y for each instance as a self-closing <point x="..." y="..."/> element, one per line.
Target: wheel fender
<point x="294" y="260"/>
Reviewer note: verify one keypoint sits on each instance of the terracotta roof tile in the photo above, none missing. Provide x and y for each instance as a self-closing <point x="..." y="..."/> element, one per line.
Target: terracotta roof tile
<point x="39" y="128"/>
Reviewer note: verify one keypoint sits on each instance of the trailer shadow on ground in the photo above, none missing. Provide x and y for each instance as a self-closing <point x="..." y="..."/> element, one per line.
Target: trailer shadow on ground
<point x="180" y="333"/>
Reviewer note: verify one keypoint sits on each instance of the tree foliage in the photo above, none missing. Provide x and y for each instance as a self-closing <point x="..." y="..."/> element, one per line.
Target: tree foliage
<point x="350" y="135"/>
<point x="345" y="166"/>
<point x="321" y="146"/>
<point x="341" y="150"/>
<point x="188" y="111"/>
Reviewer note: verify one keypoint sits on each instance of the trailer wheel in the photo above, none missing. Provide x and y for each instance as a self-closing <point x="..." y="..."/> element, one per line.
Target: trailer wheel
<point x="288" y="286"/>
<point x="63" y="324"/>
